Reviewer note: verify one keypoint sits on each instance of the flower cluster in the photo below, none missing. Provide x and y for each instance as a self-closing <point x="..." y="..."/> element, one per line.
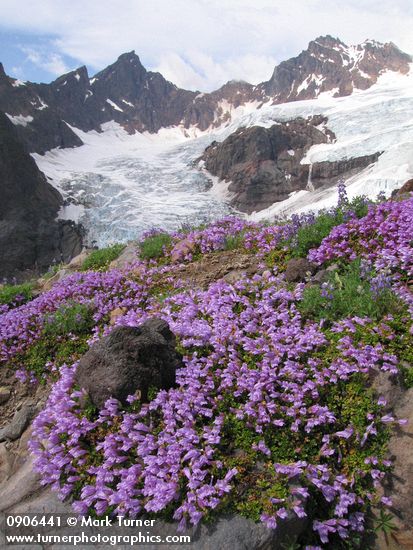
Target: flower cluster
<point x="102" y="292"/>
<point x="384" y="236"/>
<point x="250" y="365"/>
<point x="271" y="411"/>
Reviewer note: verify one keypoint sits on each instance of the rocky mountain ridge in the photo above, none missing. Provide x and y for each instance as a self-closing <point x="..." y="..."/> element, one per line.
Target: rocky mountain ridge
<point x="141" y="100"/>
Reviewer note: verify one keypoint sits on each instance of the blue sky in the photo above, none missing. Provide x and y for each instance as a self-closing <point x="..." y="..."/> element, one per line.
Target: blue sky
<point x="197" y="44"/>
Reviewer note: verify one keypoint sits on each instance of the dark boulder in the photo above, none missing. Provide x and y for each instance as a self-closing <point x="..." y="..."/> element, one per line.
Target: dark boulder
<point x="297" y="270"/>
<point x="128" y="360"/>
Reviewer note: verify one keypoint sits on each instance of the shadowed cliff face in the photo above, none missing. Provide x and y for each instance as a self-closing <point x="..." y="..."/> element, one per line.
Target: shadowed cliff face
<point x="141" y="100"/>
<point x="30" y="238"/>
<point x="263" y="165"/>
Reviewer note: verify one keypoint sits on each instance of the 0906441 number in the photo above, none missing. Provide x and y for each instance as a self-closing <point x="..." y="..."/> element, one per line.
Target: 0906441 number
<point x="14" y="520"/>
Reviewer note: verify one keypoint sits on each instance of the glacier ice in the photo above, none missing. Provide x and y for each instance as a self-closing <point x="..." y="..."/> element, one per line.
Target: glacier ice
<point x="125" y="184"/>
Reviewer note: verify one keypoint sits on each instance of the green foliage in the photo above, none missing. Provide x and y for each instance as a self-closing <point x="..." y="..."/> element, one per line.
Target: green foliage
<point x="359" y="206"/>
<point x="152" y="392"/>
<point x="233" y="242"/>
<point x="71" y="318"/>
<point x="61" y="350"/>
<point x="91" y="411"/>
<point x="384" y="523"/>
<point x="310" y="236"/>
<point x="394" y="333"/>
<point x="279" y="257"/>
<point x="350" y="296"/>
<point x="10" y="294"/>
<point x="52" y="271"/>
<point x="153" y="247"/>
<point x="99" y="260"/>
<point x="64" y="338"/>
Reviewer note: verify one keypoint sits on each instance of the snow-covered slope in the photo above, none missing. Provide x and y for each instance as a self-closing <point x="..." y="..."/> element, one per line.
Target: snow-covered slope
<point x="129" y="183"/>
<point x="379" y="119"/>
<point x="120" y="185"/>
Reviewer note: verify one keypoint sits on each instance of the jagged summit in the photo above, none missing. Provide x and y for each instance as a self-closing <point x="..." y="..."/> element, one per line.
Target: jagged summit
<point x="70" y="82"/>
<point x="329" y="65"/>
<point x="326" y="40"/>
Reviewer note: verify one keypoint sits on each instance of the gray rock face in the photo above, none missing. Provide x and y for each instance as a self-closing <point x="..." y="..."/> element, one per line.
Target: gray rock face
<point x="324" y="174"/>
<point x="130" y="359"/>
<point x="327" y="64"/>
<point x="404" y="191"/>
<point x="18" y="424"/>
<point x="4" y="394"/>
<point x="399" y="483"/>
<point x="128" y="255"/>
<point x="238" y="533"/>
<point x="19" y="486"/>
<point x="228" y="533"/>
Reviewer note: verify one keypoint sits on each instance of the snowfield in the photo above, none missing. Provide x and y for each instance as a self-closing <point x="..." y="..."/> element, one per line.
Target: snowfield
<point x="121" y="185"/>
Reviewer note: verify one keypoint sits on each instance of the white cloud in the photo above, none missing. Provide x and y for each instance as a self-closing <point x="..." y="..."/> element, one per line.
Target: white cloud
<point x="50" y="62"/>
<point x="199" y="71"/>
<point x="204" y="43"/>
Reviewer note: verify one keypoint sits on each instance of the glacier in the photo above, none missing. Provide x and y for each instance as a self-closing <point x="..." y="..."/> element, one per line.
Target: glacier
<point x="119" y="185"/>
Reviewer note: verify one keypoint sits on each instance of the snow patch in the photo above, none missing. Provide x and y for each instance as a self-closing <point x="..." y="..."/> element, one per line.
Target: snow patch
<point x="114" y="105"/>
<point x="20" y="120"/>
<point x="43" y="105"/>
<point x="17" y="82"/>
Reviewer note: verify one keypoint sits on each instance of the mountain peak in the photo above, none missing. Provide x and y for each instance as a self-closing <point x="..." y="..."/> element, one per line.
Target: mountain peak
<point x="327" y="41"/>
<point x="128" y="55"/>
<point x="126" y="65"/>
<point x="329" y="65"/>
<point x="79" y="75"/>
<point x="130" y="58"/>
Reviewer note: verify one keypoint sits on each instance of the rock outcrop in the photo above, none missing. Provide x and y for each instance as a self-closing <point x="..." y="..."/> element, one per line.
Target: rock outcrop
<point x="263" y="165"/>
<point x="404" y="190"/>
<point x="130" y="359"/>
<point x="30" y="236"/>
